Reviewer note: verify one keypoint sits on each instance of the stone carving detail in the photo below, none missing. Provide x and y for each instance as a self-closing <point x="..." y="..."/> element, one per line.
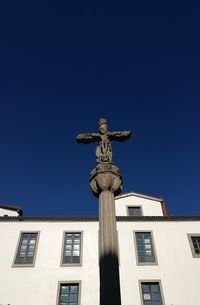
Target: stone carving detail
<point x="105" y="177"/>
<point x="104" y="138"/>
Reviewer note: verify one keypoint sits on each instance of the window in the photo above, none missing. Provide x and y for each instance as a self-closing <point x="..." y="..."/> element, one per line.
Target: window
<point x="72" y="248"/>
<point x="144" y="245"/>
<point x="69" y="294"/>
<point x="26" y="249"/>
<point x="134" y="211"/>
<point x="194" y="240"/>
<point x="151" y="294"/>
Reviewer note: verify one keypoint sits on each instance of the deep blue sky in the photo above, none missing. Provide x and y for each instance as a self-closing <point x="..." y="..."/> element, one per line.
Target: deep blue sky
<point x="65" y="64"/>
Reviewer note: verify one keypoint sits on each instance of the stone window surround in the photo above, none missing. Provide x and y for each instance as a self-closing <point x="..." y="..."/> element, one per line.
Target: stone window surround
<point x="69" y="282"/>
<point x="35" y="253"/>
<point x="134" y="206"/>
<point x="189" y="235"/>
<point x="153" y="245"/>
<point x="140" y="282"/>
<point x="81" y="250"/>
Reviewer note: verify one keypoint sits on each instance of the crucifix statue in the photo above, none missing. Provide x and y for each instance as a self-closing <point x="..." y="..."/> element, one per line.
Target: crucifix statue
<point x="106" y="182"/>
<point x="104" y="138"/>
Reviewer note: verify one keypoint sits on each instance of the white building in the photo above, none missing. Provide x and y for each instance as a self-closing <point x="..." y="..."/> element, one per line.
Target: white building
<point x="54" y="260"/>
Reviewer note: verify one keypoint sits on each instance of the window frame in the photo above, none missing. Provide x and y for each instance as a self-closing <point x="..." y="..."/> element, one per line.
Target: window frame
<point x="134" y="206"/>
<point x="153" y="245"/>
<point x="140" y="282"/>
<point x="81" y="250"/>
<point x="14" y="264"/>
<point x="69" y="282"/>
<point x="190" y="235"/>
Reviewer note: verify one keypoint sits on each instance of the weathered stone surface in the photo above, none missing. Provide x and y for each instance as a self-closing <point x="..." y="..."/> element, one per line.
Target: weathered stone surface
<point x="106" y="182"/>
<point x="108" y="251"/>
<point x="105" y="177"/>
<point x="104" y="138"/>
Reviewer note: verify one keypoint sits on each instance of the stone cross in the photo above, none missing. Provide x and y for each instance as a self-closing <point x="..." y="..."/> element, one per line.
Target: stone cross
<point x="104" y="138"/>
<point x="105" y="182"/>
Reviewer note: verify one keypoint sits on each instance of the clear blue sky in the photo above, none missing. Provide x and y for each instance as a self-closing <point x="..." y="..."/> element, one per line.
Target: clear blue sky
<point x="64" y="64"/>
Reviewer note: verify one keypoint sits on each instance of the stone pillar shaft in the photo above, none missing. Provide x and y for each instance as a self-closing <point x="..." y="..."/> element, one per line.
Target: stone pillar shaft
<point x="108" y="248"/>
<point x="105" y="181"/>
<point x="107" y="224"/>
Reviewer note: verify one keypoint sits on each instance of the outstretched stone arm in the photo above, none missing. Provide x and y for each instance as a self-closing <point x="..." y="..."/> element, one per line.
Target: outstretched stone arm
<point x="87" y="138"/>
<point x="119" y="135"/>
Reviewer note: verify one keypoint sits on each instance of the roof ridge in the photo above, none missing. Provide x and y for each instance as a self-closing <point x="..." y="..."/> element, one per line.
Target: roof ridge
<point x="157" y="198"/>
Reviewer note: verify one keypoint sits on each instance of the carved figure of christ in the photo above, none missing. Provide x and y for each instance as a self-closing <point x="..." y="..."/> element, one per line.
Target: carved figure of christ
<point x="104" y="138"/>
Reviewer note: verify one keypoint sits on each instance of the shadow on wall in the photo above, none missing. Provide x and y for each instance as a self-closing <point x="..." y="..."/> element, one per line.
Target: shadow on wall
<point x="109" y="280"/>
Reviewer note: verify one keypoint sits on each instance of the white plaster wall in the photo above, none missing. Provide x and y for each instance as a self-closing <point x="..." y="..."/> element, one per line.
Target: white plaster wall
<point x="149" y="207"/>
<point x="178" y="271"/>
<point x="8" y="212"/>
<point x="39" y="284"/>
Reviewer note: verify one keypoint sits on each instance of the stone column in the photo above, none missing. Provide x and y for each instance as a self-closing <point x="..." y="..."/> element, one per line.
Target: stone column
<point x="105" y="181"/>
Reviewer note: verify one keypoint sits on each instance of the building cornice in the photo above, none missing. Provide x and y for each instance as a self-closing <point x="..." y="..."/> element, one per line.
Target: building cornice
<point x="95" y="218"/>
<point x="158" y="218"/>
<point x="49" y="218"/>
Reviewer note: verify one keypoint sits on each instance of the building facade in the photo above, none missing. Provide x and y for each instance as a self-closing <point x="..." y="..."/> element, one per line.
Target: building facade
<point x="55" y="260"/>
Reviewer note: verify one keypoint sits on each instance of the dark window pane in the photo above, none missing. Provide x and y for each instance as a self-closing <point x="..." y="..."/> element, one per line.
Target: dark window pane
<point x="154" y="288"/>
<point x="26" y="249"/>
<point x="68" y="294"/>
<point x="147" y="303"/>
<point x="72" y="248"/>
<point x="151" y="294"/>
<point x="64" y="298"/>
<point x="73" y="298"/>
<point x="134" y="211"/>
<point x="64" y="289"/>
<point x="145" y="288"/>
<point x="74" y="289"/>
<point x="155" y="296"/>
<point x="144" y="247"/>
<point x="196" y="244"/>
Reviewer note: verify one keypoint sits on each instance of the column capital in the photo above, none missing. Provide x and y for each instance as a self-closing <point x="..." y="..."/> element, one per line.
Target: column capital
<point x="105" y="177"/>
